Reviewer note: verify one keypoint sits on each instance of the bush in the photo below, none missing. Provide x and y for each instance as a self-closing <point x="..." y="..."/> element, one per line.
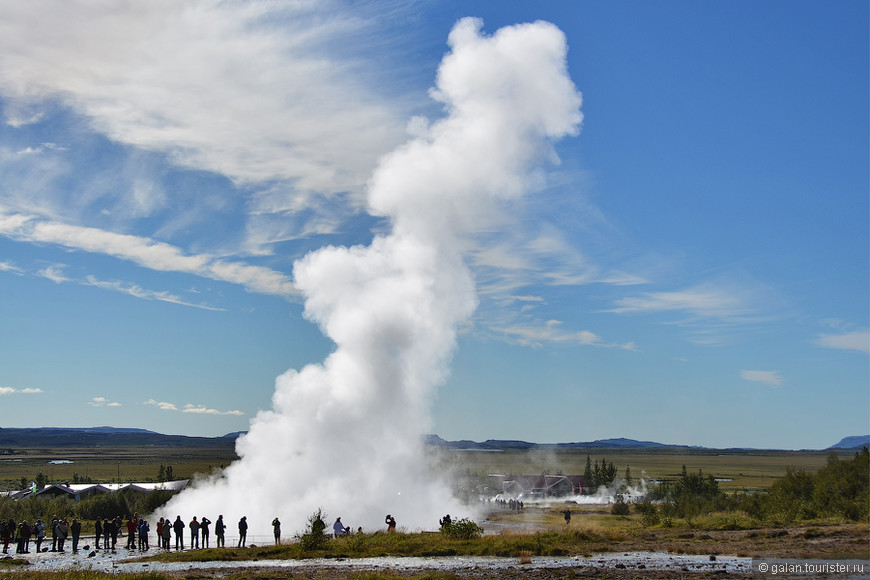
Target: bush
<point x="463" y="529"/>
<point x="313" y="537"/>
<point x="649" y="514"/>
<point x="620" y="508"/>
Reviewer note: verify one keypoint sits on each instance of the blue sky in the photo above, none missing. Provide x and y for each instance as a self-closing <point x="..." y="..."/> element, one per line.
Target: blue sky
<point x="694" y="269"/>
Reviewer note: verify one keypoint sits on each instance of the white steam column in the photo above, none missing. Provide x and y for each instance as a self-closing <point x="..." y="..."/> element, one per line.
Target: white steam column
<point x="344" y="435"/>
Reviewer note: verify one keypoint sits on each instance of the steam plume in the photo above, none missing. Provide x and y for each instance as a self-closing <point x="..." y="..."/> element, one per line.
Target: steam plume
<point x="345" y="434"/>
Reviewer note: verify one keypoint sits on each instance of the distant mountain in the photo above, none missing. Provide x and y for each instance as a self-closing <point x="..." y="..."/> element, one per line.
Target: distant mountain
<point x="617" y="443"/>
<point x="855" y="442"/>
<point x="502" y="444"/>
<point x="234" y="435"/>
<point x="13" y="438"/>
<point x="106" y="429"/>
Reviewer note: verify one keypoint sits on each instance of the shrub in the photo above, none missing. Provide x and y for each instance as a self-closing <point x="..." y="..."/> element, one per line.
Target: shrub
<point x="463" y="529"/>
<point x="313" y="537"/>
<point x="649" y="514"/>
<point x="620" y="508"/>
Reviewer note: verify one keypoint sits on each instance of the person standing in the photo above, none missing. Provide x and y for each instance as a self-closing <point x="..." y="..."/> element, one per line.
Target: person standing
<point x="115" y="529"/>
<point x="107" y="532"/>
<point x="76" y="531"/>
<point x="40" y="534"/>
<point x="166" y="534"/>
<point x="23" y="538"/>
<point x="54" y="523"/>
<point x="204" y="523"/>
<point x="98" y="531"/>
<point x="62" y="534"/>
<point x="243" y="531"/>
<point x="4" y="535"/>
<point x="276" y="530"/>
<point x="219" y="528"/>
<point x="178" y="528"/>
<point x="194" y="533"/>
<point x="144" y="528"/>
<point x="132" y="526"/>
<point x="391" y="523"/>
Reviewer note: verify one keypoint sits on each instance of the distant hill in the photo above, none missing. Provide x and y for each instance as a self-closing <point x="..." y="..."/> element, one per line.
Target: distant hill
<point x="508" y="444"/>
<point x="14" y="438"/>
<point x="234" y="434"/>
<point x="105" y="436"/>
<point x="855" y="442"/>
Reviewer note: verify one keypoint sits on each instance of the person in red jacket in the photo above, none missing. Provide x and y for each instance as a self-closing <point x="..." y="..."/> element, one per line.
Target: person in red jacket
<point x="131" y="534"/>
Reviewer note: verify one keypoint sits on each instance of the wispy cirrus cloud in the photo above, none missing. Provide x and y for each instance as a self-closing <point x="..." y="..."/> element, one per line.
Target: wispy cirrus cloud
<point x="56" y="273"/>
<point x="9" y="267"/>
<point x="857" y="340"/>
<point x="145" y="252"/>
<point x="538" y="333"/>
<point x="703" y="301"/>
<point x="138" y="292"/>
<point x="156" y="75"/>
<point x="772" y="378"/>
<point x="53" y="273"/>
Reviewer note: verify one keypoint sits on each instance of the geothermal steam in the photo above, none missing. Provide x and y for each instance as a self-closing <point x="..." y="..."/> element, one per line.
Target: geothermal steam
<point x="344" y="435"/>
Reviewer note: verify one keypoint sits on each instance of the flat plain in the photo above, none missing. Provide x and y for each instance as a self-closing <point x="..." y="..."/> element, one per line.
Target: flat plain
<point x="749" y="470"/>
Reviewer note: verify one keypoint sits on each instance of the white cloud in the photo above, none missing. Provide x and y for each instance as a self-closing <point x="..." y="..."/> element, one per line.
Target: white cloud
<point x="142" y="251"/>
<point x="856" y="340"/>
<point x="203" y="410"/>
<point x="190" y="408"/>
<point x="537" y="333"/>
<point x="162" y="405"/>
<point x="296" y="105"/>
<point x="773" y="378"/>
<point x="138" y="292"/>
<point x="103" y="402"/>
<point x="708" y="300"/>
<point x="53" y="273"/>
<point x="13" y="391"/>
<point x="8" y="267"/>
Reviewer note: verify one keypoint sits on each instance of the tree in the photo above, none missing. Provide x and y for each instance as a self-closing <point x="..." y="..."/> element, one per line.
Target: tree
<point x="589" y="482"/>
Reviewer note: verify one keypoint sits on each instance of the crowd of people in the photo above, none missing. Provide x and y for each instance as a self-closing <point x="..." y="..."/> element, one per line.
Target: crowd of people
<point x="107" y="532"/>
<point x="23" y="533"/>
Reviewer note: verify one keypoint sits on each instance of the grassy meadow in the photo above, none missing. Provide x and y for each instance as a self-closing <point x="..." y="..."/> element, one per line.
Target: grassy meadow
<point x="103" y="464"/>
<point x="737" y="470"/>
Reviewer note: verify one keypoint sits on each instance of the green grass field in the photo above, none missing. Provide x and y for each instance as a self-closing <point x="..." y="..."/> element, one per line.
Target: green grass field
<point x="749" y="470"/>
<point x="744" y="470"/>
<point x="103" y="464"/>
